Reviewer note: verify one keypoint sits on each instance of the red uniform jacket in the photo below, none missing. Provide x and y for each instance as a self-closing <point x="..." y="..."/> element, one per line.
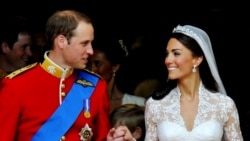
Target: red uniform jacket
<point x="29" y="99"/>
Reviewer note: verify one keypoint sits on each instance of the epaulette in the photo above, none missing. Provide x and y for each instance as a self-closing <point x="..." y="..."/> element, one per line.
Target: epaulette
<point x="19" y="71"/>
<point x="91" y="72"/>
<point x="2" y="74"/>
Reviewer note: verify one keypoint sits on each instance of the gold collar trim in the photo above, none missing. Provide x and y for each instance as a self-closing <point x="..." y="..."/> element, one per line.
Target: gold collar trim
<point x="54" y="69"/>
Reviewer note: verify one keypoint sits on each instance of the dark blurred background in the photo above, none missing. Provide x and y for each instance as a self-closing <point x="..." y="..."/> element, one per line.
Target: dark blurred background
<point x="226" y="22"/>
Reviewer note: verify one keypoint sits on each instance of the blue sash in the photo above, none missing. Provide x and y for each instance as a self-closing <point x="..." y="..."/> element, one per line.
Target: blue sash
<point x="65" y="115"/>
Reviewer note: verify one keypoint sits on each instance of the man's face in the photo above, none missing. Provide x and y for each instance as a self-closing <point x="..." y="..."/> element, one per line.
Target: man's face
<point x="20" y="53"/>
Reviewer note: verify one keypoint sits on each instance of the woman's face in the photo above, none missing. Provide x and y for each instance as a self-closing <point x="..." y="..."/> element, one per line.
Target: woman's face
<point x="179" y="60"/>
<point x="99" y="64"/>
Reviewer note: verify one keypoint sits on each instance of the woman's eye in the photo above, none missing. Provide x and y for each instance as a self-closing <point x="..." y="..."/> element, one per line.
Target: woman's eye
<point x="176" y="53"/>
<point x="98" y="64"/>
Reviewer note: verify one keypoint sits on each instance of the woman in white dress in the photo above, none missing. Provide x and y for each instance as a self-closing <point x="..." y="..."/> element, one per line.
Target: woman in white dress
<point x="194" y="106"/>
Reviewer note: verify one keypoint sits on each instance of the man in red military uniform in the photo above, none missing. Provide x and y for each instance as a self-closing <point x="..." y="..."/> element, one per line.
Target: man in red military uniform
<point x="57" y="99"/>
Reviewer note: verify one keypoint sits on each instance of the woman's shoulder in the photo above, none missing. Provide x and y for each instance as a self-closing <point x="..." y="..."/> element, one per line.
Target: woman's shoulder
<point x="133" y="96"/>
<point x="220" y="98"/>
<point x="169" y="98"/>
<point x="130" y="98"/>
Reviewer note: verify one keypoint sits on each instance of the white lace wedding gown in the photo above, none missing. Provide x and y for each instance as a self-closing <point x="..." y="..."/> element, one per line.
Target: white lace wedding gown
<point x="217" y="119"/>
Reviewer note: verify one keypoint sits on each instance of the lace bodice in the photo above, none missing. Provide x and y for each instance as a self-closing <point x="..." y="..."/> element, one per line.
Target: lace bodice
<point x="217" y="116"/>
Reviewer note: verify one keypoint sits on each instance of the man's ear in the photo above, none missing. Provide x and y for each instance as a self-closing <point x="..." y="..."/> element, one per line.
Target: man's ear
<point x="5" y="47"/>
<point x="61" y="41"/>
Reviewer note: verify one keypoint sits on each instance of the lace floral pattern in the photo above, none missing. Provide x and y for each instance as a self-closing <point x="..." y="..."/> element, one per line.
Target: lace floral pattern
<point x="217" y="119"/>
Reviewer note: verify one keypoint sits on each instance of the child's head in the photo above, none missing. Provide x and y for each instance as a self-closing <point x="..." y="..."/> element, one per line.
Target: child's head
<point x="132" y="116"/>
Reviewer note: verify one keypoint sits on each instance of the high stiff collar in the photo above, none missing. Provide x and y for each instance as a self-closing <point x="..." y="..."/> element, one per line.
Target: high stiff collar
<point x="54" y="69"/>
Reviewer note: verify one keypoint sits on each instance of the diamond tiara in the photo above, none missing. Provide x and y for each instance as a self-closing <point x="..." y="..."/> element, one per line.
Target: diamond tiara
<point x="186" y="31"/>
<point x="124" y="47"/>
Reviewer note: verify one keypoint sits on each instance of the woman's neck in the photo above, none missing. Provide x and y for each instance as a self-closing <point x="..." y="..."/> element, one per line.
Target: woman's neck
<point x="116" y="94"/>
<point x="189" y="88"/>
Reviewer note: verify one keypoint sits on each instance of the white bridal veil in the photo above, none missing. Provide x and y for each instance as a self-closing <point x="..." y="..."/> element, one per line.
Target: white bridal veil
<point x="203" y="40"/>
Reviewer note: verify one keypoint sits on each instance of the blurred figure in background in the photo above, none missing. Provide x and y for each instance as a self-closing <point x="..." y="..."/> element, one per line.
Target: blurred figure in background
<point x="39" y="46"/>
<point x="109" y="55"/>
<point x="15" y="41"/>
<point x="147" y="87"/>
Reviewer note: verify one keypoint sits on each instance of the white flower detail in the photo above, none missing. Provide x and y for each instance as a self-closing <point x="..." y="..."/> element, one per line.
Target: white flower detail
<point x="51" y="69"/>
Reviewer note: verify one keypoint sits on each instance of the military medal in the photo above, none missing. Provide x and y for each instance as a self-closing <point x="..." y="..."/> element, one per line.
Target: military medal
<point x="86" y="108"/>
<point x="87" y="114"/>
<point x="86" y="133"/>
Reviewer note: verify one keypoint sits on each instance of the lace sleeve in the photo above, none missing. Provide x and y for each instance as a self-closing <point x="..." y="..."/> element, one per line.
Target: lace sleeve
<point x="151" y="131"/>
<point x="232" y="124"/>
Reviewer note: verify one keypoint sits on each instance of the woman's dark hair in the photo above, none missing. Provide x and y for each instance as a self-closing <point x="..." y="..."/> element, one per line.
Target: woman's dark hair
<point x="205" y="72"/>
<point x="116" y="52"/>
<point x="113" y="48"/>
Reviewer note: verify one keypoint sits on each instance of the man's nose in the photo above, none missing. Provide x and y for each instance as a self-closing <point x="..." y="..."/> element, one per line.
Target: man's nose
<point x="28" y="51"/>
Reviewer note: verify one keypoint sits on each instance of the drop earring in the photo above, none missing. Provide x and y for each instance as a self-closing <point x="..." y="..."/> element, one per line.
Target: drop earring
<point x="114" y="73"/>
<point x="194" y="68"/>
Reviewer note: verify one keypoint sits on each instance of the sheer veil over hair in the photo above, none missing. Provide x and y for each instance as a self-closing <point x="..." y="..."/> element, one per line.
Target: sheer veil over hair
<point x="203" y="40"/>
